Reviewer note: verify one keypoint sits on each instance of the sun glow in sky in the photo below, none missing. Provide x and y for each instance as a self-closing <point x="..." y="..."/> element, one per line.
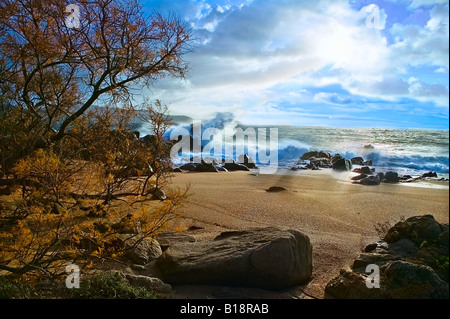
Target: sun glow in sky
<point x="349" y="63"/>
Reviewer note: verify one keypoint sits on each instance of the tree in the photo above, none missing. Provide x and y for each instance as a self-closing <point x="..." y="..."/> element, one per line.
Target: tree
<point x="66" y="130"/>
<point x="51" y="74"/>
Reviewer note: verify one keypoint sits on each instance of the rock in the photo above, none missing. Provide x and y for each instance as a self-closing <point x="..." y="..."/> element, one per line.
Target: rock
<point x="159" y="194"/>
<point x="177" y="170"/>
<point x="380" y="176"/>
<point x="379" y="244"/>
<point x="359" y="177"/>
<point x="152" y="284"/>
<point x="408" y="263"/>
<point x="211" y="160"/>
<point x="336" y="158"/>
<point x="188" y="167"/>
<point x="351" y="285"/>
<point x="369" y="147"/>
<point x="404" y="247"/>
<point x="167" y="239"/>
<point x="391" y="177"/>
<point x="357" y="161"/>
<point x="371" y="181"/>
<point x="412" y="281"/>
<point x="233" y="166"/>
<point x="315" y="154"/>
<point x="368" y="163"/>
<point x="220" y="168"/>
<point x="141" y="250"/>
<point x="363" y="170"/>
<point x="366" y="180"/>
<point x="269" y="258"/>
<point x="320" y="162"/>
<point x="247" y="161"/>
<point x="342" y="165"/>
<point x="206" y="168"/>
<point x="276" y="189"/>
<point x="417" y="229"/>
<point x="400" y="280"/>
<point x="429" y="174"/>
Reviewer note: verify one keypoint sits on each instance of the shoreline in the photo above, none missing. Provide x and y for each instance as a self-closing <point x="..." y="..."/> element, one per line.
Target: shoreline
<point x="338" y="216"/>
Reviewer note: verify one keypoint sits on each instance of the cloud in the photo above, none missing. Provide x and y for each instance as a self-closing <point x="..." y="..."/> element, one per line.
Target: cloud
<point x="332" y="98"/>
<point x="426" y="3"/>
<point x="246" y="51"/>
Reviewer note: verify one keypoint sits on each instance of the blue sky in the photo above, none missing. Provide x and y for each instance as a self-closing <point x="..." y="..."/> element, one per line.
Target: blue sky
<point x="349" y="63"/>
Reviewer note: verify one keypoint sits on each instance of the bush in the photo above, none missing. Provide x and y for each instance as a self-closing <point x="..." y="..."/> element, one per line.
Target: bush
<point x="14" y="290"/>
<point x="109" y="286"/>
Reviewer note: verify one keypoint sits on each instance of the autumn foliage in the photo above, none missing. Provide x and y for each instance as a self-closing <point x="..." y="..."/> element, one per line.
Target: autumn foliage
<point x="76" y="181"/>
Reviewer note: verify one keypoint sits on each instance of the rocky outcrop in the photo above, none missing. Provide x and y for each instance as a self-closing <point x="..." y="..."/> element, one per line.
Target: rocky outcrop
<point x="270" y="258"/>
<point x="412" y="259"/>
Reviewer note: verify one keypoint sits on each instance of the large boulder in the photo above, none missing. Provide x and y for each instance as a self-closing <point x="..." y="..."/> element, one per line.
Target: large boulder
<point x="412" y="260"/>
<point x="270" y="258"/>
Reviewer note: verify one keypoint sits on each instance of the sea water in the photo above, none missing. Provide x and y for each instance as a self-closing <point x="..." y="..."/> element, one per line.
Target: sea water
<point x="406" y="151"/>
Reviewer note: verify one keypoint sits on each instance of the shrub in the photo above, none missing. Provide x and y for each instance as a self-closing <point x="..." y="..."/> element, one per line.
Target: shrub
<point x="109" y="286"/>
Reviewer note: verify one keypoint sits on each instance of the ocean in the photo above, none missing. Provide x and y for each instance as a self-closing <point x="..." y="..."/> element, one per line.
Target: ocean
<point x="406" y="151"/>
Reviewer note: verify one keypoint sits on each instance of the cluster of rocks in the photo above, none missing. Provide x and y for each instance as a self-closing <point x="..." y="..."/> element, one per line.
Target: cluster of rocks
<point x="316" y="160"/>
<point x="413" y="263"/>
<point x="245" y="163"/>
<point x="367" y="175"/>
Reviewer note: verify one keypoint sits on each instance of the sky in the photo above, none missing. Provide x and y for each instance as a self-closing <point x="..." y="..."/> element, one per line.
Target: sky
<point x="349" y="63"/>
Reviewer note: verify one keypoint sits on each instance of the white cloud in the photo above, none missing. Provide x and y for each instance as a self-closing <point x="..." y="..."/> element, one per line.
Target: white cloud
<point x="426" y="3"/>
<point x="245" y="51"/>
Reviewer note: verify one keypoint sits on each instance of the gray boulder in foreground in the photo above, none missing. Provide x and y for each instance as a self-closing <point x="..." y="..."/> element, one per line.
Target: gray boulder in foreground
<point x="269" y="258"/>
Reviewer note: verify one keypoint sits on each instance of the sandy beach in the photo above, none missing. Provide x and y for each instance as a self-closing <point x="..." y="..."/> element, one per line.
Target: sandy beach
<point x="339" y="217"/>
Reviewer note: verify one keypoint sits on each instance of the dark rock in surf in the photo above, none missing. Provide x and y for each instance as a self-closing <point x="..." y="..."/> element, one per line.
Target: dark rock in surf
<point x="233" y="166"/>
<point x="391" y="177"/>
<point x="430" y="175"/>
<point x="342" y="164"/>
<point x="357" y="161"/>
<point x="364" y="170"/>
<point x="359" y="177"/>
